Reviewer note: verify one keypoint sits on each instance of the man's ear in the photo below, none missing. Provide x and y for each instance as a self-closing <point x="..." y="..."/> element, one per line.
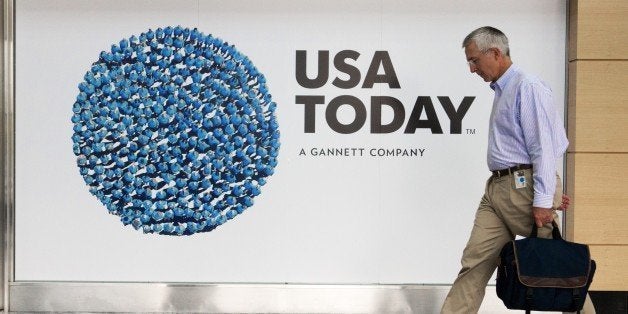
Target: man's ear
<point x="496" y="53"/>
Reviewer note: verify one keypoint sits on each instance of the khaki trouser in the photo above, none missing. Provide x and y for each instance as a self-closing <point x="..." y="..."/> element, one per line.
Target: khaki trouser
<point x="504" y="212"/>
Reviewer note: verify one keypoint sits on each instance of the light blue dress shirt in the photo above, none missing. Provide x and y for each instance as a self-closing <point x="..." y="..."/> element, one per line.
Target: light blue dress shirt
<point x="525" y="128"/>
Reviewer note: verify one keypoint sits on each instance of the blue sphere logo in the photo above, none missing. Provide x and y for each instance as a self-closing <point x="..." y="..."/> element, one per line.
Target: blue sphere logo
<point x="175" y="131"/>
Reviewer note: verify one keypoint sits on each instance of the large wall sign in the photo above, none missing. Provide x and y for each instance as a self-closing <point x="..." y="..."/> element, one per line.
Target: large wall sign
<point x="276" y="141"/>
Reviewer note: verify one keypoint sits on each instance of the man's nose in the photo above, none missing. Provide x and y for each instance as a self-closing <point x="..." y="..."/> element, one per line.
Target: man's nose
<point x="472" y="68"/>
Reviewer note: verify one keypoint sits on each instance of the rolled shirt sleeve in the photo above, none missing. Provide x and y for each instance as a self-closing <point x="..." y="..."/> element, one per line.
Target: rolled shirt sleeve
<point x="544" y="137"/>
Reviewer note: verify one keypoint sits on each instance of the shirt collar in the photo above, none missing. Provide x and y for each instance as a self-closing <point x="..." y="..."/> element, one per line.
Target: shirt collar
<point x="505" y="78"/>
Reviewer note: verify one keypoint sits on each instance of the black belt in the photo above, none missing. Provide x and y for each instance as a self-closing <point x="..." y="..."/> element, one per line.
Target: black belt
<point x="503" y="172"/>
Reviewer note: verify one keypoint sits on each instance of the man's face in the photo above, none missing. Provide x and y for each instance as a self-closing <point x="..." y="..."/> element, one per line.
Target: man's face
<point x="481" y="63"/>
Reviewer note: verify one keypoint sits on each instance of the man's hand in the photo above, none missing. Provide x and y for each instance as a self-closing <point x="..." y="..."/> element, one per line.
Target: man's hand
<point x="542" y="216"/>
<point x="565" y="204"/>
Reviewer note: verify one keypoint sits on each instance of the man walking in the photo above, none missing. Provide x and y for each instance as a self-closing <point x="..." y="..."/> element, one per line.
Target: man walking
<point x="525" y="138"/>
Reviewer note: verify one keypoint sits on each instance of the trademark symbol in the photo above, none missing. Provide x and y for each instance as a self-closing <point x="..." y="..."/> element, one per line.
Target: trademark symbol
<point x="470" y="131"/>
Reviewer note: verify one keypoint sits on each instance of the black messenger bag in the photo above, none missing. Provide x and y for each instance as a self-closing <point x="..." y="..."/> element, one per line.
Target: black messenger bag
<point x="544" y="274"/>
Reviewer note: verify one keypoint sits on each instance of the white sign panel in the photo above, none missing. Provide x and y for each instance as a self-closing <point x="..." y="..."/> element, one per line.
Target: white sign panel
<point x="327" y="142"/>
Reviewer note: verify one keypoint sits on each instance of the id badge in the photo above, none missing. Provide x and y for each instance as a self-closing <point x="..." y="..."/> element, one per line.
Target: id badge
<point x="520" y="180"/>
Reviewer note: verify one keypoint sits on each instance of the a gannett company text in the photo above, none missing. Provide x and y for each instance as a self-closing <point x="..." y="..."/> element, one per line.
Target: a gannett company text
<point x="361" y="152"/>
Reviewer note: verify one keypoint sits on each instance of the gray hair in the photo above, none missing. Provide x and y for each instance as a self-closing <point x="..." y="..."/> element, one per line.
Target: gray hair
<point x="488" y="37"/>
